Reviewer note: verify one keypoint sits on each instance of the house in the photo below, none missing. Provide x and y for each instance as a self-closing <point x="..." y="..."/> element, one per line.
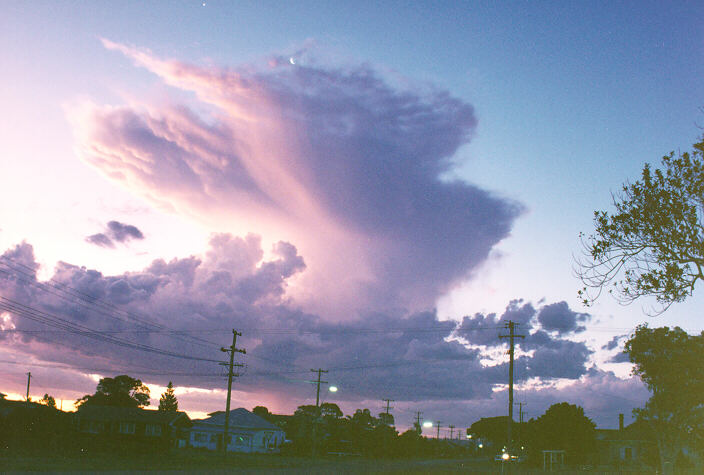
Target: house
<point x="131" y="426"/>
<point x="631" y="446"/>
<point x="247" y="433"/>
<point x="26" y="425"/>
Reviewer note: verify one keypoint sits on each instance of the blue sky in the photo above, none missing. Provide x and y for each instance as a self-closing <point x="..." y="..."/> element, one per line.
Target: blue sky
<point x="570" y="100"/>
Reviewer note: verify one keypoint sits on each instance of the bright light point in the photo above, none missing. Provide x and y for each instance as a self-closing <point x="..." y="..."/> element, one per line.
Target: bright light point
<point x="427" y="424"/>
<point x="292" y="61"/>
<point x="481" y="446"/>
<point x="332" y="389"/>
<point x="505" y="456"/>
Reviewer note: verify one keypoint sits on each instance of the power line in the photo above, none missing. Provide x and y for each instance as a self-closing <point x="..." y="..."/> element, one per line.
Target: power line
<point x="107" y="370"/>
<point x="46" y="318"/>
<point x="67" y="292"/>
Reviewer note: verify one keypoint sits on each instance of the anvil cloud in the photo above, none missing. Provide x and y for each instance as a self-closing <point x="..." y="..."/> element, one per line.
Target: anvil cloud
<point x="335" y="160"/>
<point x="336" y="179"/>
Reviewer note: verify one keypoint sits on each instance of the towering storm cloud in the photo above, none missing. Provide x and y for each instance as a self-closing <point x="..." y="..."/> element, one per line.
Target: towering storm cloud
<point x="338" y="161"/>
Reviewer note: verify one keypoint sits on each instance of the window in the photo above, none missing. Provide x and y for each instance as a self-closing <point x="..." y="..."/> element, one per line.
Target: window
<point x="95" y="427"/>
<point x="153" y="430"/>
<point x="126" y="428"/>
<point x="628" y="453"/>
<point x="200" y="437"/>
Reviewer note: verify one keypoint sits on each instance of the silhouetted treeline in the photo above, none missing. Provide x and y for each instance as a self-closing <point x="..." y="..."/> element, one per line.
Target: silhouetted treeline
<point x="325" y="430"/>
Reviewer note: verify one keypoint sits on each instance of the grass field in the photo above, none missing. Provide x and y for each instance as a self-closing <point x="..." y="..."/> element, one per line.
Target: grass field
<point x="194" y="461"/>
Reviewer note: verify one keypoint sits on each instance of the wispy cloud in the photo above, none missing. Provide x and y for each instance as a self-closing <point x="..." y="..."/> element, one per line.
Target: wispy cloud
<point x="115" y="232"/>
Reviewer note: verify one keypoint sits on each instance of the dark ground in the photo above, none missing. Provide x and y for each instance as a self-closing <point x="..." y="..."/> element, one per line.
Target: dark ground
<point x="194" y="461"/>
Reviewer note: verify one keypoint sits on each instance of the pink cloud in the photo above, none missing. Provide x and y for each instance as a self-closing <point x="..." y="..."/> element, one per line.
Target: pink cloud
<point x="335" y="160"/>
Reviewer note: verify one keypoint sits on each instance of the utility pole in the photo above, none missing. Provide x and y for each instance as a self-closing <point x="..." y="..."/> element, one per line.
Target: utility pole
<point x="520" y="411"/>
<point x="318" y="382"/>
<point x="437" y="423"/>
<point x="418" y="424"/>
<point x="29" y="377"/>
<point x="388" y="402"/>
<point x="452" y="430"/>
<point x="232" y="350"/>
<point x="320" y="371"/>
<point x="511" y="327"/>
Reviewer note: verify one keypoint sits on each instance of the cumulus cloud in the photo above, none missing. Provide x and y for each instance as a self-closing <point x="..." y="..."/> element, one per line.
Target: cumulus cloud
<point x="614" y="342"/>
<point x="188" y="306"/>
<point x="115" y="232"/>
<point x="559" y="318"/>
<point x="553" y="356"/>
<point x="338" y="161"/>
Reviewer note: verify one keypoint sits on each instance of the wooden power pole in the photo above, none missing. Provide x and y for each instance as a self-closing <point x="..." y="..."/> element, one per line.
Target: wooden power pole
<point x="511" y="327"/>
<point x="232" y="350"/>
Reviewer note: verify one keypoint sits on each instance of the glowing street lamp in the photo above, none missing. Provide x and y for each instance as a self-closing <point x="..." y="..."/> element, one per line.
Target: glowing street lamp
<point x="427" y="424"/>
<point x="332" y="389"/>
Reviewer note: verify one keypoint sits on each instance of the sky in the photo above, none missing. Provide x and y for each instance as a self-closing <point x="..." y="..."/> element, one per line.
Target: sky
<point x="371" y="188"/>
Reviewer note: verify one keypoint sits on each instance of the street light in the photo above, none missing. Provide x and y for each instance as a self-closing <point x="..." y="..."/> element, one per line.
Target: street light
<point x="427" y="424"/>
<point x="332" y="389"/>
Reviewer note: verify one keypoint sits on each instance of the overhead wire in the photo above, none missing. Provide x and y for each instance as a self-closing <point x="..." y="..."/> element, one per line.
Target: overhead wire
<point x="46" y="318"/>
<point x="67" y="292"/>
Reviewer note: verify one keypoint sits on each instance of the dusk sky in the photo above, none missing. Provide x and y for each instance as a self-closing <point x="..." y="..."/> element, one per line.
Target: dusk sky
<point x="372" y="188"/>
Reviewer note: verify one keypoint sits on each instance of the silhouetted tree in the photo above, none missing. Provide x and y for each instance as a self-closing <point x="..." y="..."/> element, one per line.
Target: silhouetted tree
<point x="168" y="401"/>
<point x="123" y="391"/>
<point x="387" y="419"/>
<point x="671" y="364"/>
<point x="261" y="411"/>
<point x="48" y="401"/>
<point x="330" y="410"/>
<point x="563" y="427"/>
<point x="652" y="244"/>
<point x="493" y="430"/>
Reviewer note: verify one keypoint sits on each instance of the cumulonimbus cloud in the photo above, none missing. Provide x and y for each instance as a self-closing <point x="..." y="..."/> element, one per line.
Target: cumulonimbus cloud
<point x="335" y="160"/>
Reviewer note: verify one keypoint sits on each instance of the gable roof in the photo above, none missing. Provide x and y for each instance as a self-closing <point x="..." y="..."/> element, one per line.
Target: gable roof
<point x="239" y="417"/>
<point x="130" y="414"/>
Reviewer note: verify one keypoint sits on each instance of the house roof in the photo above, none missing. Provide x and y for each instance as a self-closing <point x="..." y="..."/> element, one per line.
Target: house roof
<point x="130" y="414"/>
<point x="635" y="431"/>
<point x="8" y="405"/>
<point x="240" y="417"/>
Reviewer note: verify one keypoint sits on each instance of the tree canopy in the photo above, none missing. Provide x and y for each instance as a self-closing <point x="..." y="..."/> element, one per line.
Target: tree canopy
<point x="653" y="244"/>
<point x="565" y="427"/>
<point x="48" y="400"/>
<point x="168" y="401"/>
<point x="671" y="363"/>
<point x="123" y="391"/>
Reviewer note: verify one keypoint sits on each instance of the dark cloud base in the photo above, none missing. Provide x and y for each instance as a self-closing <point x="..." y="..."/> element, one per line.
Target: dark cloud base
<point x="404" y="356"/>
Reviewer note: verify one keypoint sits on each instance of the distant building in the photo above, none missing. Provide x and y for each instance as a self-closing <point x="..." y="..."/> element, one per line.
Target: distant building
<point x="132" y="426"/>
<point x="247" y="433"/>
<point x="631" y="446"/>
